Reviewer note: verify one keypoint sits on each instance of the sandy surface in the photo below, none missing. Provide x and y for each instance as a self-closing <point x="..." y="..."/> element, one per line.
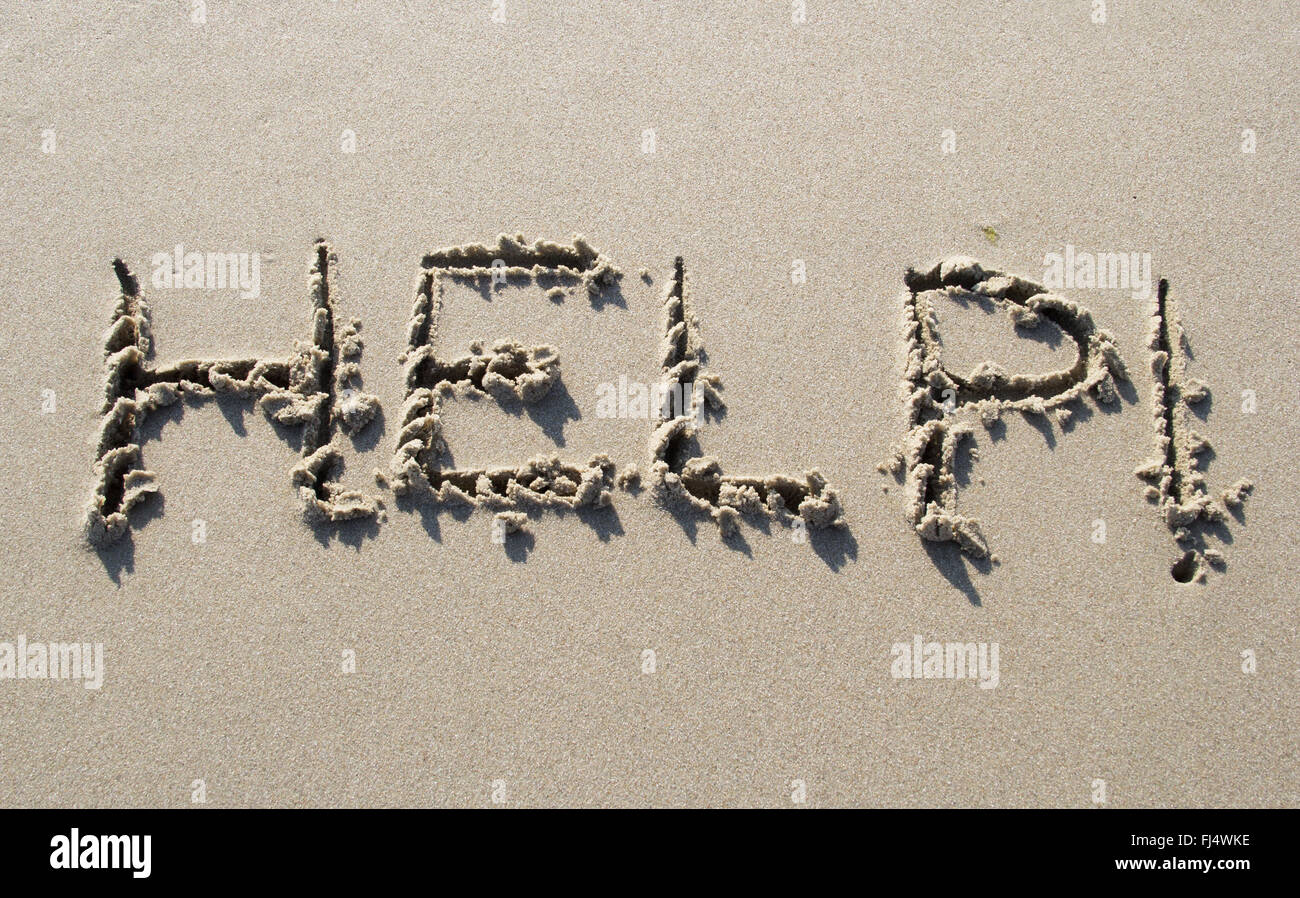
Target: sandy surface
<point x="515" y="672"/>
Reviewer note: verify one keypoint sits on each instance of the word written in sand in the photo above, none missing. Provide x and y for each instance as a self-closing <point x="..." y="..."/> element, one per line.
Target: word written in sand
<point x="316" y="388"/>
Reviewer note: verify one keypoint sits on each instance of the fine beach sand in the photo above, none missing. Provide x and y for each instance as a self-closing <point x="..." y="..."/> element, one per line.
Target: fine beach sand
<point x="501" y="648"/>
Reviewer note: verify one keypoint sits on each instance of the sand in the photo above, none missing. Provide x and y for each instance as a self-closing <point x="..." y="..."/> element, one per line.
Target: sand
<point x="360" y="517"/>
